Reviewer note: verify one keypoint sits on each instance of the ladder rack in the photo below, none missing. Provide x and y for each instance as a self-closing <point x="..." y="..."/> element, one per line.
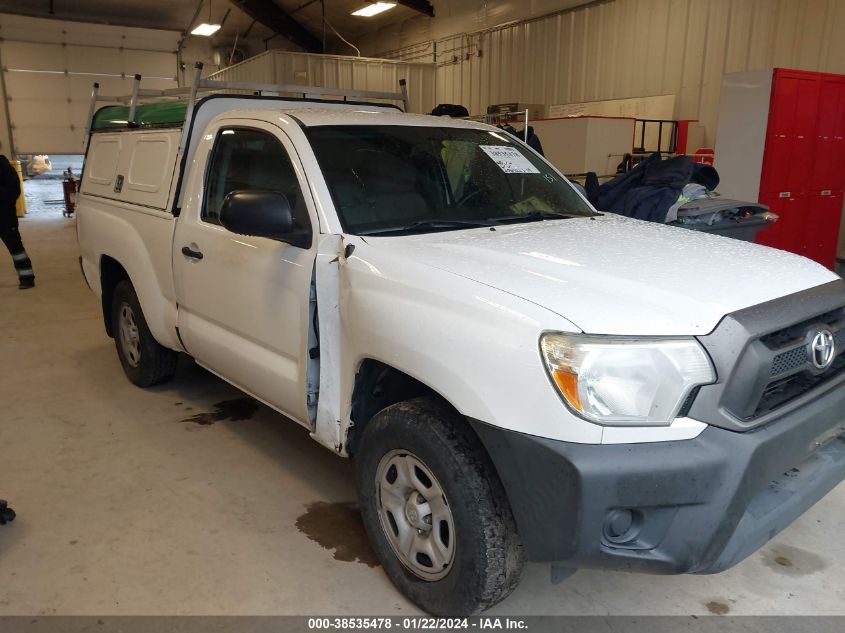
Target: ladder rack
<point x="199" y="85"/>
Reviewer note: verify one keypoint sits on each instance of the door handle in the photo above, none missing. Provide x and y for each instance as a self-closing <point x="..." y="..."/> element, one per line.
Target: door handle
<point x="188" y="252"/>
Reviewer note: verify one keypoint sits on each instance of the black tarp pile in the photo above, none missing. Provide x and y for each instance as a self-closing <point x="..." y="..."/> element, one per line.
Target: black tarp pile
<point x="649" y="190"/>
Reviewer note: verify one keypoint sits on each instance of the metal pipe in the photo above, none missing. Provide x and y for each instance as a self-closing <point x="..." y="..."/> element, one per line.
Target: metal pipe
<point x="234" y="48"/>
<point x="213" y="84"/>
<point x="249" y="29"/>
<point x="89" y="125"/>
<point x="225" y="17"/>
<point x="136" y="86"/>
<point x="180" y="70"/>
<point x="189" y="112"/>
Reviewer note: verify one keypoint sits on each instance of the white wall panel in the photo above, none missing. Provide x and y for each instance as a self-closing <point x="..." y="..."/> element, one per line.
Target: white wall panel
<point x="333" y="71"/>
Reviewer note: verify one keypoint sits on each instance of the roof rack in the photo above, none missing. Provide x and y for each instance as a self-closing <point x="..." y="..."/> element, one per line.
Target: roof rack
<point x="199" y="85"/>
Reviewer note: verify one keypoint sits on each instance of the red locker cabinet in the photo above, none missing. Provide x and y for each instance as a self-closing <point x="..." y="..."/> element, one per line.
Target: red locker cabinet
<point x="788" y="232"/>
<point x="824" y="210"/>
<point x="781" y="140"/>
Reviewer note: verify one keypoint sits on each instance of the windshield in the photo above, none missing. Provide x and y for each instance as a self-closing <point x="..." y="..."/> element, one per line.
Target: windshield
<point x="395" y="179"/>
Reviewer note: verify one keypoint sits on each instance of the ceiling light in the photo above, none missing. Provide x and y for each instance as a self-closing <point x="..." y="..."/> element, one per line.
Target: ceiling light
<point x="206" y="29"/>
<point x="374" y="9"/>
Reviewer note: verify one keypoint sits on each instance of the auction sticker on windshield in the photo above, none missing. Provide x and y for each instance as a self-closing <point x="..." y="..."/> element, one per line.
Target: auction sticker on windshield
<point x="509" y="159"/>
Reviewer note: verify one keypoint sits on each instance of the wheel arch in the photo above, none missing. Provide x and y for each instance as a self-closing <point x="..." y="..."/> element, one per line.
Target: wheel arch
<point x="378" y="385"/>
<point x="112" y="273"/>
<point x="159" y="311"/>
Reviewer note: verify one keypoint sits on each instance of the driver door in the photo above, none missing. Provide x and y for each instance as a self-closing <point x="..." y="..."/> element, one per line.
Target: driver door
<point x="244" y="301"/>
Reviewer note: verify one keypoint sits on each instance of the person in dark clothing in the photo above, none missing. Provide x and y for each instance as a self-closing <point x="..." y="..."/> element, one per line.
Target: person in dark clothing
<point x="10" y="190"/>
<point x="533" y="141"/>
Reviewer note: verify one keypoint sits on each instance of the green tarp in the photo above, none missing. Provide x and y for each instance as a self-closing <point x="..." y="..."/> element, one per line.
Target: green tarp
<point x="166" y="113"/>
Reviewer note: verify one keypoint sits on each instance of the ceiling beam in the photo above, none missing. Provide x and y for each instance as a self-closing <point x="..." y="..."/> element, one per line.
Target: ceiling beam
<point x="270" y="15"/>
<point x="423" y="6"/>
<point x="302" y="6"/>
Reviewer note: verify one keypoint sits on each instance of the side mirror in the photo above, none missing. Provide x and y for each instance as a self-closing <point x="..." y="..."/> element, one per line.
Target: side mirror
<point x="262" y="214"/>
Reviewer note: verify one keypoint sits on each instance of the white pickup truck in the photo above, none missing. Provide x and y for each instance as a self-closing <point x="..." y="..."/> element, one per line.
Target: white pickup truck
<point x="516" y="376"/>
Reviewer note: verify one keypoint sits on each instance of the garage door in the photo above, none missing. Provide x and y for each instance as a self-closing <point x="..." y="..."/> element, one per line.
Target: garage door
<point x="48" y="84"/>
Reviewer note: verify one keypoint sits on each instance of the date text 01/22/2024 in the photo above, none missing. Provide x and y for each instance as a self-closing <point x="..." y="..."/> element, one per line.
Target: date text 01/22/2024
<point x="417" y="624"/>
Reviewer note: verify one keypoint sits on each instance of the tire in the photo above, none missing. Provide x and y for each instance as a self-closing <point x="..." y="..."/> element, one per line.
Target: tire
<point x="477" y="557"/>
<point x="145" y="362"/>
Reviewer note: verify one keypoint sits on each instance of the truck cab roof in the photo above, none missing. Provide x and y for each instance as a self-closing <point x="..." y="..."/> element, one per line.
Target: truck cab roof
<point x="312" y="117"/>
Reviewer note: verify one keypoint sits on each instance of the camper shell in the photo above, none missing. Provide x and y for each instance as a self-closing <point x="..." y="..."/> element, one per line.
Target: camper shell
<point x="165" y="131"/>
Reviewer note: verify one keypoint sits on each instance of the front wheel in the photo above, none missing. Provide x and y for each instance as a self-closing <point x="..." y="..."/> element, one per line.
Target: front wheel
<point x="145" y="362"/>
<point x="435" y="510"/>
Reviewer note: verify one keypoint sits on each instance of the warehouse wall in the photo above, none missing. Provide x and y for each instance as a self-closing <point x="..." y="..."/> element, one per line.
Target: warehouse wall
<point x="617" y="49"/>
<point x="613" y="49"/>
<point x="459" y="16"/>
<point x="334" y="71"/>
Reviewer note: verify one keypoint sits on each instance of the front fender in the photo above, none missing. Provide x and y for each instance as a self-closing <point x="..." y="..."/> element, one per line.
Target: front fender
<point x="475" y="345"/>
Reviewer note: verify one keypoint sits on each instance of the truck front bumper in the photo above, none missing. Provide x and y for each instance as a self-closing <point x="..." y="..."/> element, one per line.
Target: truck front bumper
<point x="691" y="506"/>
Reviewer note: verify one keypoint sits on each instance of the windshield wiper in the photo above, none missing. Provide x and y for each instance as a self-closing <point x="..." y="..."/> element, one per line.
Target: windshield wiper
<point x="430" y="225"/>
<point x="535" y="216"/>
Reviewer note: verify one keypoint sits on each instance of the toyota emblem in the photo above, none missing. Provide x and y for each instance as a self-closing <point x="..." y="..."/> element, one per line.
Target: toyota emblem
<point x="823" y="349"/>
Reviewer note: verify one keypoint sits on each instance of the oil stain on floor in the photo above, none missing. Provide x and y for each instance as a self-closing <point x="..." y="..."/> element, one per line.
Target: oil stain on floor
<point x="717" y="608"/>
<point x="792" y="561"/>
<point x="232" y="410"/>
<point x="338" y="527"/>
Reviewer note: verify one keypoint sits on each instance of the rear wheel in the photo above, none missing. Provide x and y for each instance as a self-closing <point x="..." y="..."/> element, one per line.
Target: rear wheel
<point x="435" y="510"/>
<point x="145" y="362"/>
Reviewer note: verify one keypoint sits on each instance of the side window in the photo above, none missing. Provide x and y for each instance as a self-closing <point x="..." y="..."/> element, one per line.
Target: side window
<point x="244" y="159"/>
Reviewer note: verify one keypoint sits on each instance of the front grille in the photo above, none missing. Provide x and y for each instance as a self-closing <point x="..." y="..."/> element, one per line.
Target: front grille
<point x="794" y="333"/>
<point x="791" y="372"/>
<point x="764" y="361"/>
<point x="787" y="361"/>
<point x="786" y="389"/>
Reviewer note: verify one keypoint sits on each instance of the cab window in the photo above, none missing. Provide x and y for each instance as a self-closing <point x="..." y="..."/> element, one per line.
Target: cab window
<point x="244" y="159"/>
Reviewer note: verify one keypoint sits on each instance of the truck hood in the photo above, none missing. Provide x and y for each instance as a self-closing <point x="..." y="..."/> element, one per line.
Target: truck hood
<point x="615" y="275"/>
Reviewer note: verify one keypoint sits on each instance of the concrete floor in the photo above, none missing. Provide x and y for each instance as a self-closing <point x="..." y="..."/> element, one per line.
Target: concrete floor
<point x="147" y="502"/>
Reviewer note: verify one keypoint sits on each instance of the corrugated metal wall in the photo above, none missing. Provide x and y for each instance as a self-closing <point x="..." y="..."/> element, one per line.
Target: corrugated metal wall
<point x="630" y="48"/>
<point x="354" y="73"/>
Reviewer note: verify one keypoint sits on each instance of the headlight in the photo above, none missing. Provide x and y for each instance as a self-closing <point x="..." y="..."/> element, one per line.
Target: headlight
<point x="625" y="381"/>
